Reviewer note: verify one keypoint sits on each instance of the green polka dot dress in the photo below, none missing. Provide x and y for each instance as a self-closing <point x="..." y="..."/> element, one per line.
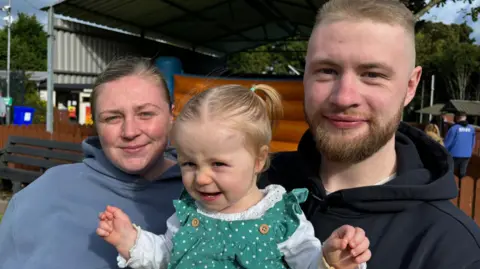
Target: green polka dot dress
<point x="204" y="241"/>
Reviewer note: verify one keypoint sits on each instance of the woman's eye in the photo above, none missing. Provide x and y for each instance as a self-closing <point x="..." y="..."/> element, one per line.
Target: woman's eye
<point x="111" y="119"/>
<point x="146" y="115"/>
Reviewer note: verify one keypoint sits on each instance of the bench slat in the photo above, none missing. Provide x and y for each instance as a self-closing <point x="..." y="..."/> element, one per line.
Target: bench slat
<point x="44" y="143"/>
<point x="18" y="175"/>
<point x="30" y="161"/>
<point x="46" y="153"/>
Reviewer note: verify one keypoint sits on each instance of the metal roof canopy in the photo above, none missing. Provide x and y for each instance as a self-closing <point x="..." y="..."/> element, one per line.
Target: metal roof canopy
<point x="210" y="26"/>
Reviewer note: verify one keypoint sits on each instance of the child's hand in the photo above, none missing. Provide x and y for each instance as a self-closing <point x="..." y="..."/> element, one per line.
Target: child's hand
<point x="346" y="248"/>
<point x="117" y="229"/>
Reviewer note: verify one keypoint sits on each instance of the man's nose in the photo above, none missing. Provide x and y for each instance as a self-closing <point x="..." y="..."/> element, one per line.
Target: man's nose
<point x="345" y="93"/>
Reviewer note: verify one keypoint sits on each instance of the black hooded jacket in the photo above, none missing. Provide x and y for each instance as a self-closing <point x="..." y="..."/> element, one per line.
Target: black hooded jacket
<point x="410" y="221"/>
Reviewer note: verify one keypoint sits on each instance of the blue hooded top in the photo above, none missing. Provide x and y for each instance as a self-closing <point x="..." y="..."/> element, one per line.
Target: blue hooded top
<point x="51" y="223"/>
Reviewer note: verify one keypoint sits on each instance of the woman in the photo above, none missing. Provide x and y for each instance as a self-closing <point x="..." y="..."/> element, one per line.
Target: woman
<point x="433" y="132"/>
<point x="51" y="223"/>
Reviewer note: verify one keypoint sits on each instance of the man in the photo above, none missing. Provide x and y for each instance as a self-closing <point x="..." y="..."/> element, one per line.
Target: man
<point x="359" y="75"/>
<point x="460" y="141"/>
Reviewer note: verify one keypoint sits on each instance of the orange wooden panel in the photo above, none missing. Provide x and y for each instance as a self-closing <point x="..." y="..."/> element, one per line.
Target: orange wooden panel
<point x="184" y="84"/>
<point x="476" y="214"/>
<point x="277" y="146"/>
<point x="466" y="195"/>
<point x="290" y="131"/>
<point x="455" y="200"/>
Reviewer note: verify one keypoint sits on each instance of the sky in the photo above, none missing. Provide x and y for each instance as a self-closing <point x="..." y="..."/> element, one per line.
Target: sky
<point x="450" y="13"/>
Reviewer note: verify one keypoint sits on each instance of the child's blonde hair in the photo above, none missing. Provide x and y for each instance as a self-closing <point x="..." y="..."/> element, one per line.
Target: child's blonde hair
<point x="253" y="111"/>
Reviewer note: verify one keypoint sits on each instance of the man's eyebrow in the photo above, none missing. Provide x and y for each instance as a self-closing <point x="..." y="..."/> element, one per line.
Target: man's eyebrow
<point x="324" y="61"/>
<point x="377" y="65"/>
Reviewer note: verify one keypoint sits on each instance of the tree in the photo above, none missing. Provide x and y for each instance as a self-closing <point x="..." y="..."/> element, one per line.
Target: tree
<point x="28" y="45"/>
<point x="456" y="64"/>
<point x="421" y="7"/>
<point x="28" y="53"/>
<point x="448" y="52"/>
<point x="435" y="37"/>
<point x="270" y="59"/>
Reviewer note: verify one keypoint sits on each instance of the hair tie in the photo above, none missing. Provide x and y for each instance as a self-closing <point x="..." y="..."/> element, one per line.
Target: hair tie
<point x="252" y="89"/>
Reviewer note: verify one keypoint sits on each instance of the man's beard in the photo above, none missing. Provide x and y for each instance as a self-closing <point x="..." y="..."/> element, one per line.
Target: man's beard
<point x="336" y="148"/>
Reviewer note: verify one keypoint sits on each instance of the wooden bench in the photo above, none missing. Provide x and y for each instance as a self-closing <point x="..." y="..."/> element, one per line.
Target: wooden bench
<point x="24" y="159"/>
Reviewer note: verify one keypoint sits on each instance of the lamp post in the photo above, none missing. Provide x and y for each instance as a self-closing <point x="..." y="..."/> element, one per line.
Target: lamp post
<point x="8" y="21"/>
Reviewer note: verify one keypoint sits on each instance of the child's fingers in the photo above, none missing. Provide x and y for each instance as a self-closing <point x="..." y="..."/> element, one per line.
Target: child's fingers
<point x="116" y="212"/>
<point x="105" y="226"/>
<point x="358" y="237"/>
<point x="102" y="232"/>
<point x="346" y="232"/>
<point x="361" y="247"/>
<point x="364" y="257"/>
<point x="335" y="243"/>
<point x="108" y="215"/>
<point x="111" y="209"/>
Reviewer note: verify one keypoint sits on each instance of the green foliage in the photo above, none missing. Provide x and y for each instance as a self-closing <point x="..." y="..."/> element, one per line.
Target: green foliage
<point x="456" y="64"/>
<point x="276" y="56"/>
<point x="28" y="45"/>
<point x="448" y="52"/>
<point x="28" y="53"/>
<point x="32" y="99"/>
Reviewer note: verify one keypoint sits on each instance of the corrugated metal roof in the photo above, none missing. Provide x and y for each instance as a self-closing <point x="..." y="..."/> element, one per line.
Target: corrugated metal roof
<point x="436" y="109"/>
<point x="37" y="76"/>
<point x="472" y="108"/>
<point x="83" y="51"/>
<point x="224" y="26"/>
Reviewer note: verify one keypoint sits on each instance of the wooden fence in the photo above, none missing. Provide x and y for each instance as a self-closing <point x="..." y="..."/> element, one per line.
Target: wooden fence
<point x="468" y="199"/>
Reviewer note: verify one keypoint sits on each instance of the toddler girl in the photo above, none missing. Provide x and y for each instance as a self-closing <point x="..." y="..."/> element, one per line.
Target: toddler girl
<point x="222" y="219"/>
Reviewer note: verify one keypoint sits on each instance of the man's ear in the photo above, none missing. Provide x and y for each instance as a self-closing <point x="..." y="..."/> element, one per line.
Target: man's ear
<point x="413" y="84"/>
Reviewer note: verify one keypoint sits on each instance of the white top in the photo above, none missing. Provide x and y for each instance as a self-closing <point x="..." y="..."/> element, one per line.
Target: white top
<point x="302" y="250"/>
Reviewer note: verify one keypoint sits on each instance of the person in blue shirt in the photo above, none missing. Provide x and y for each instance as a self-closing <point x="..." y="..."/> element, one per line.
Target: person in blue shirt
<point x="460" y="141"/>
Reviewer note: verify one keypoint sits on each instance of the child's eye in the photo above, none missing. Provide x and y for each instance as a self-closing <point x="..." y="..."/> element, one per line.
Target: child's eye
<point x="217" y="164"/>
<point x="187" y="164"/>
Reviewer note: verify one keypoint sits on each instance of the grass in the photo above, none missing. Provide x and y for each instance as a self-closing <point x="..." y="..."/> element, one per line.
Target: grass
<point x="1" y="217"/>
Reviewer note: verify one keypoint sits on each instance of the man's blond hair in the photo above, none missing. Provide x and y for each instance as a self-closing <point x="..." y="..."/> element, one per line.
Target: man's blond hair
<point x="392" y="12"/>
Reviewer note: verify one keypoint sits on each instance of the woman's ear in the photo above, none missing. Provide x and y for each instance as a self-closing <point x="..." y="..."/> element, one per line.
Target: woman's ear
<point x="262" y="158"/>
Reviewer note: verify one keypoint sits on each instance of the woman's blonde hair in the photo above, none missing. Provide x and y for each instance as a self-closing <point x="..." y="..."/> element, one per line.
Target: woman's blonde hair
<point x="432" y="128"/>
<point x="127" y="66"/>
<point x="253" y="111"/>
